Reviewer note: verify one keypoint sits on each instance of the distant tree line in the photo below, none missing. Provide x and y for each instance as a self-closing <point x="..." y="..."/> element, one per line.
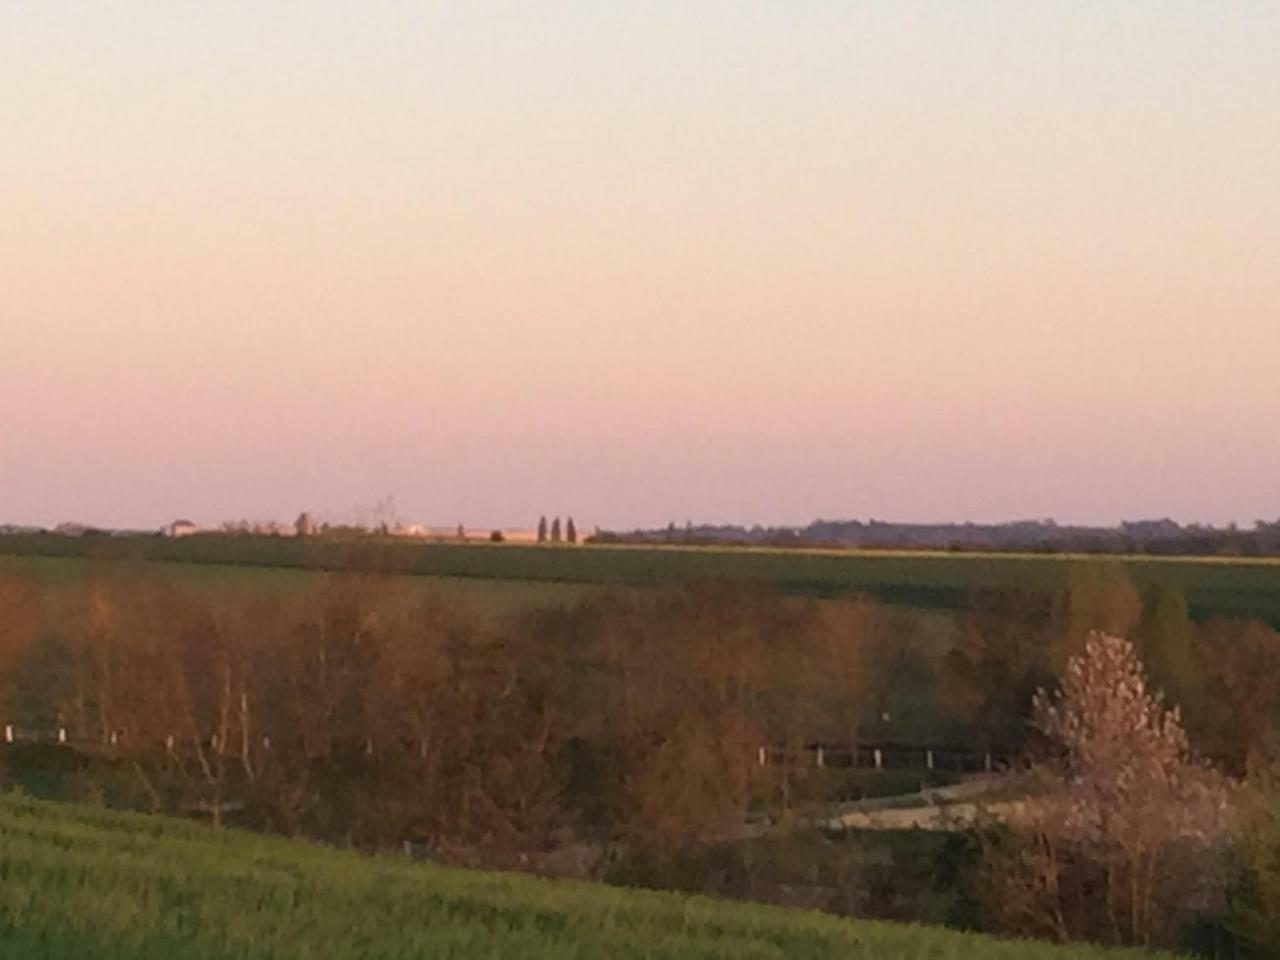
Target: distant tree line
<point x="1157" y="537"/>
<point x="553" y="534"/>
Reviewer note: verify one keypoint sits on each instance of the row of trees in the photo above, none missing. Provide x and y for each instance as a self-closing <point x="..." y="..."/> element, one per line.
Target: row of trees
<point x="365" y="710"/>
<point x="1156" y="537"/>
<point x="553" y="534"/>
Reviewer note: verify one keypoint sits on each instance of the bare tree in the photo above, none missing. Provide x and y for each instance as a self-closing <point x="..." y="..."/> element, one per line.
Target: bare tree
<point x="998" y="658"/>
<point x="850" y="629"/>
<point x="21" y="620"/>
<point x="1239" y="673"/>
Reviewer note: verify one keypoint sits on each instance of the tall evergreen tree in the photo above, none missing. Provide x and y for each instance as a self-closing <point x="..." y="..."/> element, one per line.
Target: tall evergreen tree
<point x="555" y="530"/>
<point x="1165" y="638"/>
<point x="571" y="532"/>
<point x="542" y="530"/>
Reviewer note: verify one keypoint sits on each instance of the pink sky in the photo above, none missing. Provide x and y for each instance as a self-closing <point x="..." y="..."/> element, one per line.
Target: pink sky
<point x="726" y="261"/>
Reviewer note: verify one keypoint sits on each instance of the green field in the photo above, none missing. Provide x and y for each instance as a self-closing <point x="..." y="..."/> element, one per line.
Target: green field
<point x="481" y="596"/>
<point x="82" y="882"/>
<point x="1233" y="587"/>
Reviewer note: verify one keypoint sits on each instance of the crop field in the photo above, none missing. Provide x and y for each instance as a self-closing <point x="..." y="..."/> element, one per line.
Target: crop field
<point x="1247" y="588"/>
<point x="82" y="882"/>
<point x="484" y="596"/>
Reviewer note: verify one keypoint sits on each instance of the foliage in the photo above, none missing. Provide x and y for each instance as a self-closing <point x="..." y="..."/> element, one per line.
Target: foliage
<point x="1255" y="897"/>
<point x="360" y="709"/>
<point x="1165" y="638"/>
<point x="1000" y="657"/>
<point x="905" y="875"/>
<point x="1097" y="597"/>
<point x="1239" y="675"/>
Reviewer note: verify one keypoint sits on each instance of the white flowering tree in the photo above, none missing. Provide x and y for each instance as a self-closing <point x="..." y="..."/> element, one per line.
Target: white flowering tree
<point x="1130" y="831"/>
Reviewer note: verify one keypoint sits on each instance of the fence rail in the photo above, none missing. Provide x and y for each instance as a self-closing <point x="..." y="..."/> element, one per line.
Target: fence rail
<point x="882" y="755"/>
<point x="13" y="735"/>
<point x="887" y="756"/>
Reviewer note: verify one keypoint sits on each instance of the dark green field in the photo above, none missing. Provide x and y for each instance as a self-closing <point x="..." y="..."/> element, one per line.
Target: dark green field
<point x="1234" y="587"/>
<point x="481" y="596"/>
<point x="82" y="882"/>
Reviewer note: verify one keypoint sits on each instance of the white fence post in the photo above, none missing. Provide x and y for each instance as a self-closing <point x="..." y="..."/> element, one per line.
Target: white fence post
<point x="62" y="734"/>
<point x="879" y="758"/>
<point x="764" y="756"/>
<point x="928" y="759"/>
<point x="821" y="758"/>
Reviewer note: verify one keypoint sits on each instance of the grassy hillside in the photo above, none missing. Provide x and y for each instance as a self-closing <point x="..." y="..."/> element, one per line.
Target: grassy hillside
<point x="1236" y="587"/>
<point x="80" y="882"/>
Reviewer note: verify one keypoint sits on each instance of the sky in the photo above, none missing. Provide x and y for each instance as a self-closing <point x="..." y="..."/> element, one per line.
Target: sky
<point x="638" y="262"/>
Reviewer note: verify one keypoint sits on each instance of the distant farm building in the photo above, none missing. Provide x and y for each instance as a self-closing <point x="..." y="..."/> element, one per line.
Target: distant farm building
<point x="73" y="529"/>
<point x="462" y="533"/>
<point x="181" y="528"/>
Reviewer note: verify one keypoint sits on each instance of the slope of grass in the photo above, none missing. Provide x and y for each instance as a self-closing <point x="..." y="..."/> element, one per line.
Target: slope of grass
<point x="81" y="882"/>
